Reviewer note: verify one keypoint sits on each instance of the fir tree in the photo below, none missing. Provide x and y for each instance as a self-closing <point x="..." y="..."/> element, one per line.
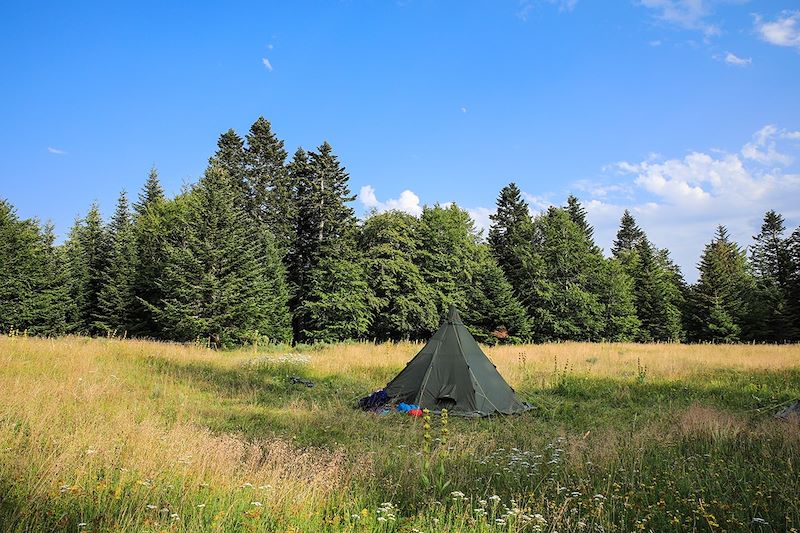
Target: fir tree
<point x="577" y="214"/>
<point x="719" y="298"/>
<point x="655" y="299"/>
<point x="448" y="243"/>
<point x="562" y="290"/>
<point x="231" y="157"/>
<point x="32" y="294"/>
<point x="492" y="313"/>
<point x="116" y="299"/>
<point x="330" y="294"/>
<point x="87" y="255"/>
<point x="510" y="233"/>
<point x="769" y="256"/>
<point x="793" y="283"/>
<point x="149" y="236"/>
<point x="218" y="284"/>
<point x="629" y="237"/>
<point x="268" y="181"/>
<point x="616" y="289"/>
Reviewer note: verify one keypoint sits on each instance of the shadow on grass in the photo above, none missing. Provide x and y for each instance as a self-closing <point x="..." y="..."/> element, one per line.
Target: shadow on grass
<point x="260" y="401"/>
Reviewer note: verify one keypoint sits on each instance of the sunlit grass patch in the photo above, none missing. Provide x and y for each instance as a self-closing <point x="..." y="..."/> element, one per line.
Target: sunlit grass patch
<point x="143" y="436"/>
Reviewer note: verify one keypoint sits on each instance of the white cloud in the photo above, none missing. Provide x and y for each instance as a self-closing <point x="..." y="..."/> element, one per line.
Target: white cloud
<point x="763" y="146"/>
<point x="733" y="59"/>
<point x="266" y="63"/>
<point x="686" y="14"/>
<point x="464" y="109"/>
<point x="679" y="202"/>
<point x="785" y="31"/>
<point x="407" y="202"/>
<point x="56" y="151"/>
<point x="654" y="43"/>
<point x="480" y="215"/>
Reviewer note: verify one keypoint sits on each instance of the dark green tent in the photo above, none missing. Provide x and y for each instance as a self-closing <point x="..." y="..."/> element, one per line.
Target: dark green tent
<point x="452" y="372"/>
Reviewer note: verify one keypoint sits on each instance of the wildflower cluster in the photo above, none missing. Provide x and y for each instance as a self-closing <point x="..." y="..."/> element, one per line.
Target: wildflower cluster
<point x="387" y="512"/>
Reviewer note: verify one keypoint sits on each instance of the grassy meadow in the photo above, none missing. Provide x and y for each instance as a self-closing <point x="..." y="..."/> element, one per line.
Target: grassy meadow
<point x="121" y="435"/>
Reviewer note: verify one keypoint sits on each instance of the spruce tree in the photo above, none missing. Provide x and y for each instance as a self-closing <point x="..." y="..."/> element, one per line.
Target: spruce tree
<point x="793" y="284"/>
<point x="32" y="294"/>
<point x="268" y="182"/>
<point x="616" y="292"/>
<point x="656" y="307"/>
<point x="87" y="255"/>
<point x="405" y="303"/>
<point x="493" y="314"/>
<point x="218" y="284"/>
<point x="149" y="237"/>
<point x="718" y="301"/>
<point x="461" y="271"/>
<point x="331" y="299"/>
<point x="577" y="213"/>
<point x="629" y="237"/>
<point x="116" y="299"/>
<point x="510" y="233"/>
<point x="448" y="243"/>
<point x="231" y="157"/>
<point x="770" y="260"/>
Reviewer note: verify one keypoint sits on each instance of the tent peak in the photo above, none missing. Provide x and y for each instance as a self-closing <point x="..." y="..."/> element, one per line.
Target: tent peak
<point x="452" y="315"/>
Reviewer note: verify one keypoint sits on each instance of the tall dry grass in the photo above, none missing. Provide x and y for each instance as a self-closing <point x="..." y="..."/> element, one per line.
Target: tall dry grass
<point x="81" y="418"/>
<point x="667" y="361"/>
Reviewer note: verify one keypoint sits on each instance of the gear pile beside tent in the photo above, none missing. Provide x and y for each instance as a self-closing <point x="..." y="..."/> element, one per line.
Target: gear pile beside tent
<point x="451" y="372"/>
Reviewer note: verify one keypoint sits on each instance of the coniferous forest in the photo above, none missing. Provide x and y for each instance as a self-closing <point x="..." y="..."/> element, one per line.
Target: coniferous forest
<point x="265" y="248"/>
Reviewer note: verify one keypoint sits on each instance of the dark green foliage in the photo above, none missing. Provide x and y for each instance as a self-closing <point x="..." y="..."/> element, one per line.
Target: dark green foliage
<point x="87" y="254"/>
<point x="297" y="240"/>
<point x="793" y="283"/>
<point x="657" y="297"/>
<point x="577" y="214"/>
<point x="220" y="281"/>
<point x="448" y="240"/>
<point x="616" y="293"/>
<point x="269" y="188"/>
<point x="330" y="296"/>
<point x="511" y="233"/>
<point x="492" y="313"/>
<point x="230" y="156"/>
<point x="149" y="235"/>
<point x="405" y="303"/>
<point x="32" y="289"/>
<point x="461" y="271"/>
<point x="629" y="237"/>
<point x="718" y="301"/>
<point x="562" y="283"/>
<point x="770" y="317"/>
<point x="116" y="298"/>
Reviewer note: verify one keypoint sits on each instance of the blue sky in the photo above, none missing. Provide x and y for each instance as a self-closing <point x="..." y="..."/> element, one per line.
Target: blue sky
<point x="684" y="111"/>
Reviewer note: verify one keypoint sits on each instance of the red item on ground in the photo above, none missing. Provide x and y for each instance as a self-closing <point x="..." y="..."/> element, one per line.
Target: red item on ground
<point x="415" y="412"/>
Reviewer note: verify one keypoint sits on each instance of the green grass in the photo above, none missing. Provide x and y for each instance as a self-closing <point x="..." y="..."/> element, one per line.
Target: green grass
<point x="597" y="453"/>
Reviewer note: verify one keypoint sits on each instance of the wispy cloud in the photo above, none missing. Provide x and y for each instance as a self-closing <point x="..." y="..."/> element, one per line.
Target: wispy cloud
<point x="266" y="63"/>
<point x="732" y="59"/>
<point x="784" y="31"/>
<point x="464" y="109"/>
<point x="686" y="14"/>
<point x="526" y="7"/>
<point x="56" y="151"/>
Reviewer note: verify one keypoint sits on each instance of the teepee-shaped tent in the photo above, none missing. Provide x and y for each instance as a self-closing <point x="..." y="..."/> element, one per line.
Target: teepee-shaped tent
<point x="451" y="372"/>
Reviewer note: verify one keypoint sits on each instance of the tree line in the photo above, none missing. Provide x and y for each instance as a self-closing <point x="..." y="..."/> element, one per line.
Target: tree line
<point x="264" y="248"/>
